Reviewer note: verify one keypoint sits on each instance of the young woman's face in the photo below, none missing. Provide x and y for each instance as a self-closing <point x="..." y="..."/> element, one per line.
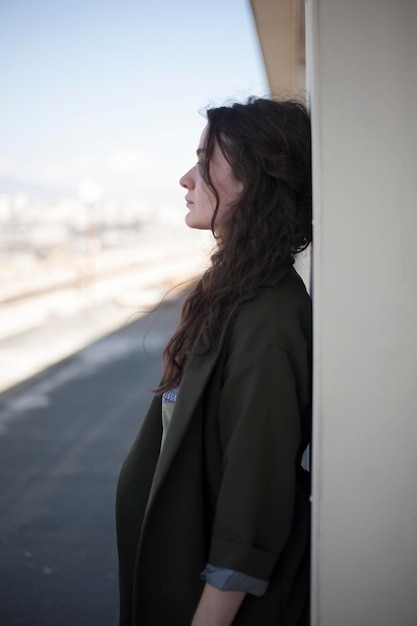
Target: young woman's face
<point x="201" y="202"/>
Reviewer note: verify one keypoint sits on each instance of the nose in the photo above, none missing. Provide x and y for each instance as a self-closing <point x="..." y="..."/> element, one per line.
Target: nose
<point x="187" y="180"/>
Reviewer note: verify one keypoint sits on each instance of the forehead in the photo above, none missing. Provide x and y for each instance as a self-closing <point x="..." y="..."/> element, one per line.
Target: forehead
<point x="217" y="156"/>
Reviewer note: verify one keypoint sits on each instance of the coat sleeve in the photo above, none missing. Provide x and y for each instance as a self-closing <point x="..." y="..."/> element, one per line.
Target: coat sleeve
<point x="259" y="435"/>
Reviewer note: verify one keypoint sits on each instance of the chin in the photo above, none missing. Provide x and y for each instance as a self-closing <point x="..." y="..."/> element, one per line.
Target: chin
<point x="192" y="222"/>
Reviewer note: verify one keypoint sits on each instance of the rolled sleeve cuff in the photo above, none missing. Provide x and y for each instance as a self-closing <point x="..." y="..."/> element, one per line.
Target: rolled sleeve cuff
<point x="226" y="579"/>
<point x="242" y="558"/>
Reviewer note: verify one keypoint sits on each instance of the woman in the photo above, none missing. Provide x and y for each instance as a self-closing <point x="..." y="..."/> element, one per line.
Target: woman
<point x="213" y="503"/>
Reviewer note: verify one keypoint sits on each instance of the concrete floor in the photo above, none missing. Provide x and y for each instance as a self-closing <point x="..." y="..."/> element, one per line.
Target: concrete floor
<point x="64" y="434"/>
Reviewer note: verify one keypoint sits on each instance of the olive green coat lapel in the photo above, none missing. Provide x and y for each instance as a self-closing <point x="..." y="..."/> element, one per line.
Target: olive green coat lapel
<point x="192" y="387"/>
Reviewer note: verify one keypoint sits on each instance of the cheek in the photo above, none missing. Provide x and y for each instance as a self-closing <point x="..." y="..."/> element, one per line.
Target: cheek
<point x="205" y="196"/>
<point x="237" y="190"/>
<point x="228" y="187"/>
<point x="231" y="193"/>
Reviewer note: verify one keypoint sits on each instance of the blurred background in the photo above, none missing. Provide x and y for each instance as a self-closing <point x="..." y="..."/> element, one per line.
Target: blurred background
<point x="102" y="108"/>
<point x="101" y="112"/>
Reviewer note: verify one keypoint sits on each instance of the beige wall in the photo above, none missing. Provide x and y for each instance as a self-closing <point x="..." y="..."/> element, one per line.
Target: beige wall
<point x="362" y="78"/>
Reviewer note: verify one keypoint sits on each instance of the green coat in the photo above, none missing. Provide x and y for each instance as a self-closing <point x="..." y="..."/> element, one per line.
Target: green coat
<point x="228" y="487"/>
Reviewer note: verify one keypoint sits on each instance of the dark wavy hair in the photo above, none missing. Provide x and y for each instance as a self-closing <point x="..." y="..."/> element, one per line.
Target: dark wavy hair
<point x="268" y="146"/>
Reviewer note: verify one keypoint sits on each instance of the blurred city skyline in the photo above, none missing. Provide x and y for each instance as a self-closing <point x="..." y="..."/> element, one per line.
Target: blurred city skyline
<point x="99" y="119"/>
<point x="109" y="92"/>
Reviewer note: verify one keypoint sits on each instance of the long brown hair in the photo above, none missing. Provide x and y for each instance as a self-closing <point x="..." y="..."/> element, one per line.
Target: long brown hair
<point x="268" y="146"/>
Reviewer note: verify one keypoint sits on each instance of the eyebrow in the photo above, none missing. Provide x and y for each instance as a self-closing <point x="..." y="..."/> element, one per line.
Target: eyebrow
<point x="200" y="151"/>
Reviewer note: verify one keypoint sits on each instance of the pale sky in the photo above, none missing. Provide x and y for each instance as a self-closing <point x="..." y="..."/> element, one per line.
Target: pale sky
<point x="110" y="90"/>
